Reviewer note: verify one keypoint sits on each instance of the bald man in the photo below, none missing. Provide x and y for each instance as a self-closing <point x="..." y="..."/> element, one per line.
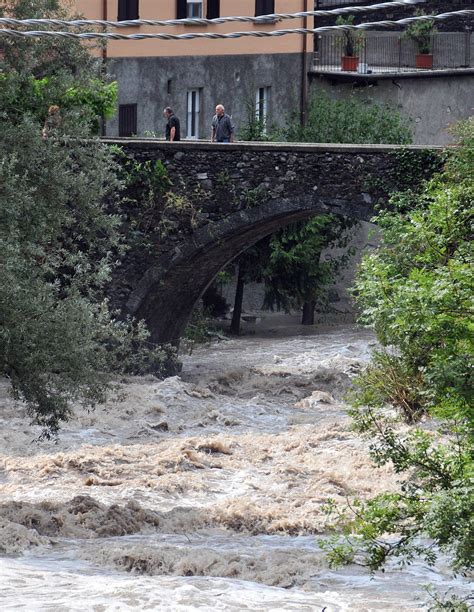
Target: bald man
<point x="222" y="126"/>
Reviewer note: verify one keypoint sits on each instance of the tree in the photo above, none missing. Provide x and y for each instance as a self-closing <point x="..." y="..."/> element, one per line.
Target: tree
<point x="38" y="73"/>
<point x="416" y="291"/>
<point x="250" y="268"/>
<point x="292" y="270"/>
<point x="294" y="274"/>
<point x="58" y="241"/>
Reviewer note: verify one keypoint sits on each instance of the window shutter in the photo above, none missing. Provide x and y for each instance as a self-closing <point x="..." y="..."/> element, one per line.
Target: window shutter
<point x="264" y="7"/>
<point x="133" y="9"/>
<point x="122" y="10"/>
<point x="127" y="9"/>
<point x="181" y="9"/>
<point x="269" y="7"/>
<point x="213" y="9"/>
<point x="127" y="119"/>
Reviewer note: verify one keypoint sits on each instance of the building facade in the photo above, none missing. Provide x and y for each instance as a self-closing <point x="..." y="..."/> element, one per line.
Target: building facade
<point x="386" y="69"/>
<point x="264" y="78"/>
<point x="269" y="78"/>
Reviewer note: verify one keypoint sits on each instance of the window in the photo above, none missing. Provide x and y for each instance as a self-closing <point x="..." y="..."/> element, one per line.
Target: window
<point x="194" y="8"/>
<point x="262" y="102"/>
<point x="127" y="9"/>
<point x="264" y="7"/>
<point x="192" y="125"/>
<point x="127" y="119"/>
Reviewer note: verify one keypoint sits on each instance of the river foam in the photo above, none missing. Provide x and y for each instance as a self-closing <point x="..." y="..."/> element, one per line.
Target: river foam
<point x="205" y="490"/>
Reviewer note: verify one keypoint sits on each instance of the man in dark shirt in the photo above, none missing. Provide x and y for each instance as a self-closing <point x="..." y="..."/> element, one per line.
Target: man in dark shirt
<point x="222" y="126"/>
<point x="173" y="130"/>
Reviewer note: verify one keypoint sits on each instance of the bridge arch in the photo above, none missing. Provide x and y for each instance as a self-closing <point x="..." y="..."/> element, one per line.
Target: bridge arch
<point x="297" y="181"/>
<point x="168" y="291"/>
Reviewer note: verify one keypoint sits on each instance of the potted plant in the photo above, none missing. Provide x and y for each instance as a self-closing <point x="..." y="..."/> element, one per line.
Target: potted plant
<point x="421" y="33"/>
<point x="351" y="43"/>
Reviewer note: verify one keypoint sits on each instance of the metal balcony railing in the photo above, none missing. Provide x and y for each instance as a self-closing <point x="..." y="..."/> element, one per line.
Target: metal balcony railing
<point x="393" y="53"/>
<point x="323" y="4"/>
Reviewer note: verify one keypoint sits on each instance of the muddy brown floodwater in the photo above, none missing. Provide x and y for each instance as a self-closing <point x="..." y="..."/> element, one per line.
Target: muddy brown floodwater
<point x="200" y="492"/>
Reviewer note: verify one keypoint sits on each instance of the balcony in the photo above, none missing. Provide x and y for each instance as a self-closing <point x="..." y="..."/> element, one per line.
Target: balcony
<point x="328" y="4"/>
<point x="388" y="54"/>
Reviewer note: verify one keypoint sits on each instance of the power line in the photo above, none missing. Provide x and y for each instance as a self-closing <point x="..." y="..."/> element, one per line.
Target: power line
<point x="215" y="35"/>
<point x="7" y="21"/>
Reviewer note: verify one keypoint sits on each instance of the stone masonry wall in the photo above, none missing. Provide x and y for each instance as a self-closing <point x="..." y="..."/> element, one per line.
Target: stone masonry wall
<point x="226" y="198"/>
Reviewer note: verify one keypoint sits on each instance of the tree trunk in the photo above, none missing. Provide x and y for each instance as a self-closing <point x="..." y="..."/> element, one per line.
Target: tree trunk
<point x="239" y="296"/>
<point x="308" y="313"/>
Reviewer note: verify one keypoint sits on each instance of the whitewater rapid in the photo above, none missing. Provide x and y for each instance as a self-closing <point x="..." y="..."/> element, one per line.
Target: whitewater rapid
<point x="200" y="492"/>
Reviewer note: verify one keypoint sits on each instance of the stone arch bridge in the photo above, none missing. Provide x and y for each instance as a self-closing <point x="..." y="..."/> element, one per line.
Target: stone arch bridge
<point x="239" y="193"/>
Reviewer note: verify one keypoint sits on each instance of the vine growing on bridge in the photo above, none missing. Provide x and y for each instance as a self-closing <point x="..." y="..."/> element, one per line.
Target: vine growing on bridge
<point x="153" y="209"/>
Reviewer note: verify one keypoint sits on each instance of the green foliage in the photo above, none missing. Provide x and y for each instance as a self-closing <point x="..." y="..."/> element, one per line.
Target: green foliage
<point x="294" y="273"/>
<point x="58" y="241"/>
<point x="130" y="352"/>
<point x="254" y="127"/>
<point x="390" y="379"/>
<point x="436" y="501"/>
<point x="254" y="197"/>
<point x="416" y="291"/>
<point x="352" y="40"/>
<point x="178" y="211"/>
<point x="151" y="208"/>
<point x="421" y="32"/>
<point x="36" y="74"/>
<point x="448" y="602"/>
<point x="148" y="181"/>
<point x="99" y="98"/>
<point x="350" y="120"/>
<point x="200" y="330"/>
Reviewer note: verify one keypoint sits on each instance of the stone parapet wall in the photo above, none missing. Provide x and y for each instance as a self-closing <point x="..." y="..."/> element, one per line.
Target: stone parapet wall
<point x="226" y="173"/>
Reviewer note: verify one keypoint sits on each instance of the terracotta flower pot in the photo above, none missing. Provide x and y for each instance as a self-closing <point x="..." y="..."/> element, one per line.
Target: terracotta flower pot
<point x="424" y="61"/>
<point x="349" y="63"/>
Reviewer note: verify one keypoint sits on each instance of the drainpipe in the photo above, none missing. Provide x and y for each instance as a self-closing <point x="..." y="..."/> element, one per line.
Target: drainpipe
<point x="104" y="59"/>
<point x="104" y="18"/>
<point x="304" y="69"/>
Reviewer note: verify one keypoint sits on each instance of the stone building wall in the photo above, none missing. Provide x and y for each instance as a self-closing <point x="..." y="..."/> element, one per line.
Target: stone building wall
<point x="431" y="103"/>
<point x="156" y="82"/>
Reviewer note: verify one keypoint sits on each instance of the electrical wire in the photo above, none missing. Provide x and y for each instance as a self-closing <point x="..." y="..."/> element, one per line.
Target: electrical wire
<point x="8" y="21"/>
<point x="215" y="35"/>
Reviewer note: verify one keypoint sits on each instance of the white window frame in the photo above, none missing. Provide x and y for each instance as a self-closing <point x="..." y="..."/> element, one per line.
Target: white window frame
<point x="193" y="115"/>
<point x="262" y="105"/>
<point x="194" y="8"/>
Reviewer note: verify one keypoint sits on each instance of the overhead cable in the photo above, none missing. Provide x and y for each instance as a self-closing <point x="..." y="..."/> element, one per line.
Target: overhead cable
<point x="262" y="19"/>
<point x="215" y="35"/>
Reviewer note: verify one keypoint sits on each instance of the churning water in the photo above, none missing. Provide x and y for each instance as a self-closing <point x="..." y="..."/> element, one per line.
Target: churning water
<point x="200" y="492"/>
